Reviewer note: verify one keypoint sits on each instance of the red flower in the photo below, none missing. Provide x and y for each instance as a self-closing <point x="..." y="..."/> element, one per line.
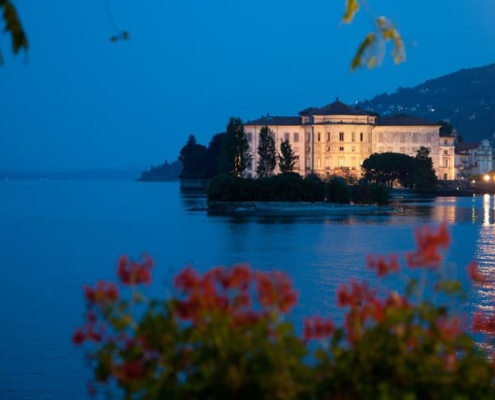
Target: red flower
<point x="79" y="337"/>
<point x="102" y="294"/>
<point x="132" y="272"/>
<point x="475" y="274"/>
<point x="382" y="266"/>
<point x="187" y="280"/>
<point x="428" y="245"/>
<point x="317" y="328"/>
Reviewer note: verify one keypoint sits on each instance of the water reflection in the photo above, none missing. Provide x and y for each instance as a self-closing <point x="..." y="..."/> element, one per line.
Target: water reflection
<point x="482" y="296"/>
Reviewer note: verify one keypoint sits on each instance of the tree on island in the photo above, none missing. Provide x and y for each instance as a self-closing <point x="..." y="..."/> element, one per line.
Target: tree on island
<point x="235" y="150"/>
<point x="212" y="156"/>
<point x="287" y="157"/>
<point x="425" y="179"/>
<point x="386" y="168"/>
<point x="267" y="153"/>
<point x="192" y="158"/>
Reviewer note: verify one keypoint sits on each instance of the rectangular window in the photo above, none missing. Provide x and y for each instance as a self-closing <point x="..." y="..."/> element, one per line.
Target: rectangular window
<point x="341" y="162"/>
<point x="415" y="137"/>
<point x="361" y="136"/>
<point x="296" y="137"/>
<point x="318" y="162"/>
<point x="446" y="162"/>
<point x="308" y="162"/>
<point x="308" y="137"/>
<point x="327" y="163"/>
<point x="249" y="136"/>
<point x="287" y="136"/>
<point x="352" y="136"/>
<point x="445" y="176"/>
<point x="328" y="136"/>
<point x="446" y="152"/>
<point x="341" y="136"/>
<point x="341" y="148"/>
<point x="403" y="138"/>
<point x="319" y="136"/>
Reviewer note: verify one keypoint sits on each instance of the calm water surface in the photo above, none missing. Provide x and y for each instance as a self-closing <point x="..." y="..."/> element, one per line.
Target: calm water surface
<point x="56" y="236"/>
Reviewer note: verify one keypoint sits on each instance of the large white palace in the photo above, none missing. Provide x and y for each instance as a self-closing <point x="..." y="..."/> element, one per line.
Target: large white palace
<point x="337" y="138"/>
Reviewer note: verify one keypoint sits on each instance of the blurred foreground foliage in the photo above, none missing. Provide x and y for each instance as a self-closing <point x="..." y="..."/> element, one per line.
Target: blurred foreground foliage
<point x="224" y="334"/>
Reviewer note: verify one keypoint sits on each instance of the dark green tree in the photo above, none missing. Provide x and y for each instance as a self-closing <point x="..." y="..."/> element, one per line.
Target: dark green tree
<point x="212" y="155"/>
<point x="192" y="158"/>
<point x="267" y="153"/>
<point x="425" y="178"/>
<point x="235" y="156"/>
<point x="287" y="157"/>
<point x="386" y="168"/>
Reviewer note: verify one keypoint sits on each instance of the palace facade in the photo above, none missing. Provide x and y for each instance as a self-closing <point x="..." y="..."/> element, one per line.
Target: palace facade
<point x="337" y="138"/>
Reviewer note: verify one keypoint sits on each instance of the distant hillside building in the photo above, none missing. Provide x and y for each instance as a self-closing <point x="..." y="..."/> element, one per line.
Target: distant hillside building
<point x="473" y="158"/>
<point x="337" y="138"/>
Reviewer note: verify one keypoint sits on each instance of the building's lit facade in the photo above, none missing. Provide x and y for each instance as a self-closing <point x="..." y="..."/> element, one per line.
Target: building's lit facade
<point x="337" y="138"/>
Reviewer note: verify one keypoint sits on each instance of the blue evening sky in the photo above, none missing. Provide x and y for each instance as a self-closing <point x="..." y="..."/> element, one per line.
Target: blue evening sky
<point x="78" y="101"/>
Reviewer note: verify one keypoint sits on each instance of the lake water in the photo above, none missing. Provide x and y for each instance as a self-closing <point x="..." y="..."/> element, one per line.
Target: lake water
<point x="56" y="236"/>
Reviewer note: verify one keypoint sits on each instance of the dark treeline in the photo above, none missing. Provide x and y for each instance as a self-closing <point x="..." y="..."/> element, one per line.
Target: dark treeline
<point x="293" y="187"/>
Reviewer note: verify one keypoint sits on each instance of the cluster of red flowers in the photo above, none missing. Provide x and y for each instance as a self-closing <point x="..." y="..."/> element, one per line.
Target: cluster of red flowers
<point x="245" y="298"/>
<point x="383" y="265"/>
<point x="229" y="291"/>
<point x="103" y="293"/>
<point x="429" y="242"/>
<point x="317" y="328"/>
<point x="132" y="272"/>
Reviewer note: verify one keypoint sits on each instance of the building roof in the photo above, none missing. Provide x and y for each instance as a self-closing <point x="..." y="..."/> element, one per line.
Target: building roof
<point x="465" y="146"/>
<point x="269" y="120"/>
<point x="335" y="108"/>
<point x="403" y="120"/>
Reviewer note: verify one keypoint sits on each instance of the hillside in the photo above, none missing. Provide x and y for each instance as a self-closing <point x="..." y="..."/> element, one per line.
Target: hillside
<point x="465" y="98"/>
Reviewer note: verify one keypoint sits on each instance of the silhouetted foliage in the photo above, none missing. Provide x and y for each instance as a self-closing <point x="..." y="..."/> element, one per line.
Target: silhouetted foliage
<point x="13" y="26"/>
<point x="287" y="157"/>
<point x="386" y="168"/>
<point x="164" y="172"/>
<point x="235" y="150"/>
<point x="212" y="156"/>
<point x="282" y="187"/>
<point x="337" y="191"/>
<point x="192" y="158"/>
<point x="267" y="153"/>
<point x="425" y="179"/>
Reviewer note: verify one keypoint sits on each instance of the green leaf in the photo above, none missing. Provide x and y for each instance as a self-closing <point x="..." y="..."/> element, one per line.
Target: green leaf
<point x="367" y="45"/>
<point x="14" y="26"/>
<point x="351" y="8"/>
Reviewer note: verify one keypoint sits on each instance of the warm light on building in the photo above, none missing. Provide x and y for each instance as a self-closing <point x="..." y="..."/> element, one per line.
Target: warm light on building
<point x="486" y="178"/>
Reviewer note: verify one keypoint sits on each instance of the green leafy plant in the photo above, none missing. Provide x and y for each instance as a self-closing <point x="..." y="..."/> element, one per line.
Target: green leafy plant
<point x="223" y="335"/>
